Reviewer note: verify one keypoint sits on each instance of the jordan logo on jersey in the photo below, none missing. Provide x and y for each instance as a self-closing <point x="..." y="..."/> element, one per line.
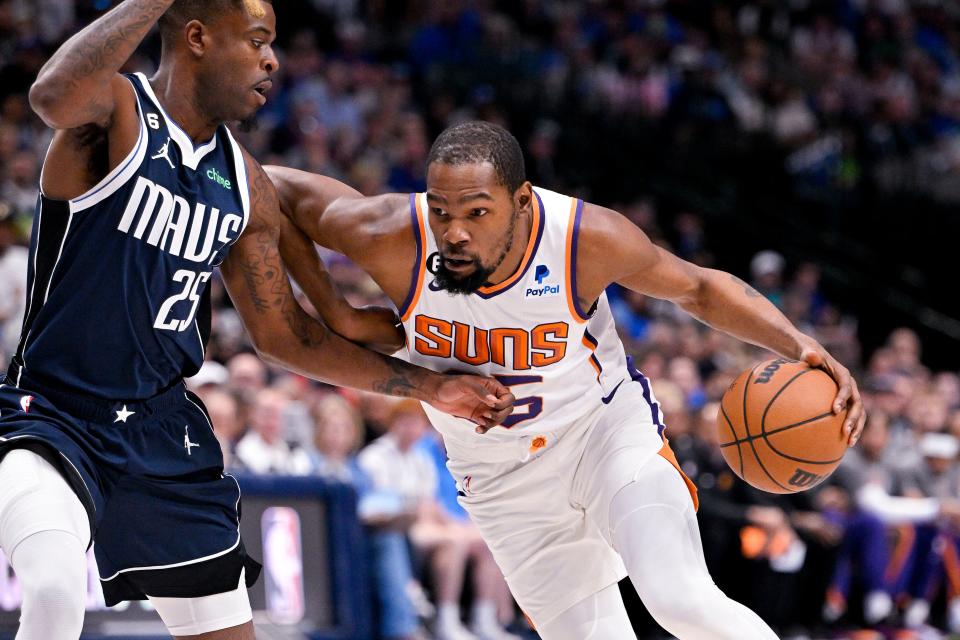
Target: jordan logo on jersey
<point x="186" y="440"/>
<point x="164" y="153"/>
<point x="171" y="223"/>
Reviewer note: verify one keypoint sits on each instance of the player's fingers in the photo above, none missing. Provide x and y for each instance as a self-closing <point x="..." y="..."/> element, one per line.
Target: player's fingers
<point x="812" y="357"/>
<point x="858" y="429"/>
<point x="844" y="383"/>
<point x="504" y="402"/>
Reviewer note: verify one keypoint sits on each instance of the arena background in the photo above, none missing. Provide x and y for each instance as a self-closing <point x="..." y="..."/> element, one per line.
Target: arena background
<point x="811" y="147"/>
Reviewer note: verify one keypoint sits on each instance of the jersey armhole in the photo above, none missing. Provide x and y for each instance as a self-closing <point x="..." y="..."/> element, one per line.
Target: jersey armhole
<point x="120" y="174"/>
<point x="573" y="233"/>
<point x="419" y="265"/>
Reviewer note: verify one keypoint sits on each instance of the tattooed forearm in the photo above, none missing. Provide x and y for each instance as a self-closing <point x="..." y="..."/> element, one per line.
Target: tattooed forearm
<point x="747" y="289"/>
<point x="77" y="72"/>
<point x="401" y="381"/>
<point x="254" y="276"/>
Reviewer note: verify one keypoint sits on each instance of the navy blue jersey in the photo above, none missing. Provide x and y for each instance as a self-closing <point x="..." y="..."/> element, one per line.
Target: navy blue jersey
<point x="118" y="306"/>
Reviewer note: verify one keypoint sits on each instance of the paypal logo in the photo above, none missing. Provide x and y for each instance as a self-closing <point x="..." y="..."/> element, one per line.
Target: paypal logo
<point x="541" y="273"/>
<point x="543" y="290"/>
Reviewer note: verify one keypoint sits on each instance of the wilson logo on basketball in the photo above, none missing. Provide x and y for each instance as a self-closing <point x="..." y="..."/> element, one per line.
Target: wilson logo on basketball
<point x="768" y="371"/>
<point x="803" y="478"/>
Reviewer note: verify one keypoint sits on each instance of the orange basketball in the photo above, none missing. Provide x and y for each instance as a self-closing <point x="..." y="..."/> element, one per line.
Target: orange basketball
<point x="777" y="427"/>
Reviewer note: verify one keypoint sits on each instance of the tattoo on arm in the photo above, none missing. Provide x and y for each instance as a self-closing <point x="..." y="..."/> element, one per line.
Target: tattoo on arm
<point x="102" y="47"/>
<point x="400" y="383"/>
<point x="263" y="270"/>
<point x="747" y="289"/>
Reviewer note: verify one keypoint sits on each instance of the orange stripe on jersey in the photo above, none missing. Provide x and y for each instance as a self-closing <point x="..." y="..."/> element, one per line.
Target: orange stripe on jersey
<point x="901" y="552"/>
<point x="527" y="256"/>
<point x="667" y="454"/>
<point x="420" y="236"/>
<point x="571" y="260"/>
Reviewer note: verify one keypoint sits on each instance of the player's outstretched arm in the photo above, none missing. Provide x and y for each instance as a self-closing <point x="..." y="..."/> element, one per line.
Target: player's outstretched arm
<point x="378" y="328"/>
<point x="282" y="332"/>
<point x="79" y="84"/>
<point x="375" y="232"/>
<point x="612" y="249"/>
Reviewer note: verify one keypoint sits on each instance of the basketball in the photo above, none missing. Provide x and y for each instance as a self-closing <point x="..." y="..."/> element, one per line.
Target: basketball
<point x="777" y="427"/>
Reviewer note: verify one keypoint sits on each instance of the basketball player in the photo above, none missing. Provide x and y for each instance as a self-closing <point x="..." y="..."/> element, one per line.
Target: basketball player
<point x="144" y="191"/>
<point x="492" y="275"/>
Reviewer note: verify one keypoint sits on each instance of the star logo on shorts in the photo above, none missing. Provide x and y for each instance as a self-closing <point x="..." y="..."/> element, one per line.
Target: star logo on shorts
<point x="123" y="414"/>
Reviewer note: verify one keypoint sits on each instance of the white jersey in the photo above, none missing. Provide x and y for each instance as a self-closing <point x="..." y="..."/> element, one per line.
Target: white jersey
<point x="529" y="331"/>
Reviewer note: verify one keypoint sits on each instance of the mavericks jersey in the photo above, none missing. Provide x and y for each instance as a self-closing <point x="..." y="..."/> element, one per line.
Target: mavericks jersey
<point x="117" y="303"/>
<point x="528" y="331"/>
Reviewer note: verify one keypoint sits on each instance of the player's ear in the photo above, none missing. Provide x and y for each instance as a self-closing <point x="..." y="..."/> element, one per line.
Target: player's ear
<point x="523" y="197"/>
<point x="195" y="33"/>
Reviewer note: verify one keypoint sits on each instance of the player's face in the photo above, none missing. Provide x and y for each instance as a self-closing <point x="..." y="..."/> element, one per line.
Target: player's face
<point x="235" y="73"/>
<point x="473" y="218"/>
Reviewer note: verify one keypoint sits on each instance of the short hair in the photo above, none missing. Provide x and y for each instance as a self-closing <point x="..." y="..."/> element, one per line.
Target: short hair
<point x="476" y="142"/>
<point x="183" y="11"/>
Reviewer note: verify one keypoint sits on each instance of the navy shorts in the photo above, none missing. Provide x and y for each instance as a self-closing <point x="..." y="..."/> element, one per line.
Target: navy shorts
<point x="164" y="516"/>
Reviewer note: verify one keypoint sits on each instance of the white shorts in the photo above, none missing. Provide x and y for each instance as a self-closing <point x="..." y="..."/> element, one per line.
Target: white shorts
<point x="546" y="519"/>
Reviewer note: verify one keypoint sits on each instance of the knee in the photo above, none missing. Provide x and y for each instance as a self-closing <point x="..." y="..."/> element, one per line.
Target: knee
<point x="688" y="605"/>
<point x="54" y="603"/>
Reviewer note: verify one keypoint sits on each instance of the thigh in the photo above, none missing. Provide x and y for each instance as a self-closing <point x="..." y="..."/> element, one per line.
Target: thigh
<point x="623" y="440"/>
<point x="600" y="616"/>
<point x="208" y="614"/>
<point x="34" y="497"/>
<point x="171" y="526"/>
<point x="549" y="552"/>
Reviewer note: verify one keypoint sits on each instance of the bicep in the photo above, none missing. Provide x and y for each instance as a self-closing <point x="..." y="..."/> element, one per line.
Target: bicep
<point x="305" y="199"/>
<point x="616" y="250"/>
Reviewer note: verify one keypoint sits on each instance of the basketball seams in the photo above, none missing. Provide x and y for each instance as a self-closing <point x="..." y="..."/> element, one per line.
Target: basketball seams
<point x="774" y="432"/>
<point x="763" y="424"/>
<point x="735" y="440"/>
<point x="746" y="427"/>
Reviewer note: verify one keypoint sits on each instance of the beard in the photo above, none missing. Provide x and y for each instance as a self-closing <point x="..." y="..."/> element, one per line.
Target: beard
<point x="456" y="284"/>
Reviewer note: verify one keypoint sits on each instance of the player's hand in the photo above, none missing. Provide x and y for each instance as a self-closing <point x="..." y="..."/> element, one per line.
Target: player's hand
<point x="770" y="518"/>
<point x="483" y="401"/>
<point x="848" y="395"/>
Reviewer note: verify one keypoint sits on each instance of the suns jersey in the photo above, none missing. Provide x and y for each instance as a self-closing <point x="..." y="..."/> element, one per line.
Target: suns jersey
<point x="528" y="331"/>
<point x="117" y="286"/>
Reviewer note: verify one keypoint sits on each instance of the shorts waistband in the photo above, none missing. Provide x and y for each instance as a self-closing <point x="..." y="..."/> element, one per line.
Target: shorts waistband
<point x="97" y="409"/>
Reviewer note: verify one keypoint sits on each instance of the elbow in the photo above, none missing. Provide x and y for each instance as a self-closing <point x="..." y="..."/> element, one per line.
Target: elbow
<point x="45" y="101"/>
<point x="268" y="348"/>
<point x="696" y="297"/>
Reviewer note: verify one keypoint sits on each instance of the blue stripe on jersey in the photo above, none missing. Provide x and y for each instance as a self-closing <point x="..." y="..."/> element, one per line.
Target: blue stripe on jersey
<point x="118" y="305"/>
<point x="636" y="376"/>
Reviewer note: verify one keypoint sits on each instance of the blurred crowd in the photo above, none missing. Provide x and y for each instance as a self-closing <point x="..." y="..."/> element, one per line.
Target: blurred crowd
<point x="854" y="94"/>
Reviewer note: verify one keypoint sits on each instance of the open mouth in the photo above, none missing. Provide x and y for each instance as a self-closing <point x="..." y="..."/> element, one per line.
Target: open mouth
<point x="457" y="265"/>
<point x="263" y="87"/>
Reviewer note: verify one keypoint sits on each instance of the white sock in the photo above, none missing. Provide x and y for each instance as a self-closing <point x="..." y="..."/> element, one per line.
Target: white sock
<point x="484" y="615"/>
<point x="448" y="615"/>
<point x="877" y="606"/>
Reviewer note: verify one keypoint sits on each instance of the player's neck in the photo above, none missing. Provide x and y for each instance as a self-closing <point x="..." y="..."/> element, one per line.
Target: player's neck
<point x="517" y="250"/>
<point x="176" y="94"/>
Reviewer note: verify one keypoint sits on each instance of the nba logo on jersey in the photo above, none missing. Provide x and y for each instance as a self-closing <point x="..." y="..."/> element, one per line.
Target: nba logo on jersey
<point x="541" y="273"/>
<point x="283" y="565"/>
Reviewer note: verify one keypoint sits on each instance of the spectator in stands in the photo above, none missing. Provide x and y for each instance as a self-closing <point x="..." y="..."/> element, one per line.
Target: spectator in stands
<point x="492" y="601"/>
<point x="339" y="433"/>
<point x="264" y="449"/>
<point x="13" y="283"/>
<point x="225" y="417"/>
<point x="395" y="461"/>
<point x="248" y="374"/>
